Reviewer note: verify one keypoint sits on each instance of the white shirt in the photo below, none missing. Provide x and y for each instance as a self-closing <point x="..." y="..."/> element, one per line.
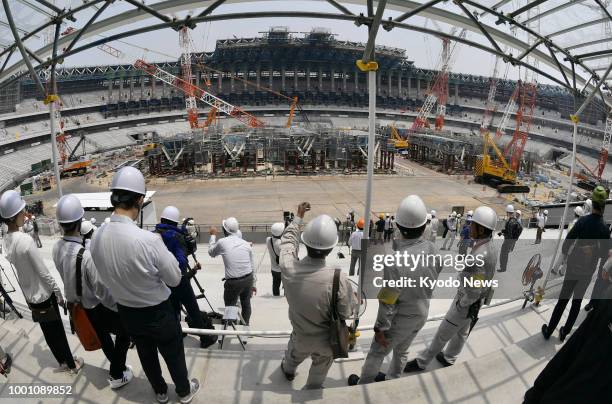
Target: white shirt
<point x="389" y="224"/>
<point x="35" y="280"/>
<point x="434" y="226"/>
<point x="133" y="263"/>
<point x="273" y="252"/>
<point x="237" y="255"/>
<point x="355" y="240"/>
<point x="94" y="292"/>
<point x="542" y="219"/>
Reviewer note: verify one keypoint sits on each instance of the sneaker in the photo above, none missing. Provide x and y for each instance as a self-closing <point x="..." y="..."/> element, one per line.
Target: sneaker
<point x="79" y="363"/>
<point x="128" y="375"/>
<point x="62" y="368"/>
<point x="5" y="368"/>
<point x="545" y="331"/>
<point x="288" y="376"/>
<point x="440" y="358"/>
<point x="412" y="366"/>
<point x="162" y="398"/>
<point x="563" y="333"/>
<point x="195" y="387"/>
<point x="380" y="377"/>
<point x="353" y="380"/>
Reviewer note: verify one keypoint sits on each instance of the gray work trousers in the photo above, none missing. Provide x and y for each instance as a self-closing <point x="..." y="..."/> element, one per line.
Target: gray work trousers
<point x="299" y="349"/>
<point x="450" y="236"/>
<point x="400" y="336"/>
<point x="239" y="288"/>
<point x="453" y="330"/>
<point x="355" y="258"/>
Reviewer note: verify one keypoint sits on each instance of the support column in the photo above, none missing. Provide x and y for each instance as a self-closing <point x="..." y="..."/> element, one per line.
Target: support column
<point x="333" y="81"/>
<point x="110" y="89"/>
<point x="320" y="79"/>
<point x="295" y="78"/>
<point x="390" y="77"/>
<point x="131" y="88"/>
<point x="344" y="74"/>
<point x="399" y="85"/>
<point x="271" y="76"/>
<point x="232" y="74"/>
<point x="142" y="87"/>
<point x="283" y="78"/>
<point x="308" y="79"/>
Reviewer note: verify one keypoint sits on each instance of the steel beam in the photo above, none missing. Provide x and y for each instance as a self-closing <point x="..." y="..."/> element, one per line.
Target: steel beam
<point x="93" y="18"/>
<point x="594" y="55"/>
<point x="530" y="49"/>
<point x="552" y="54"/>
<point x="368" y="53"/>
<point x="527" y="7"/>
<point x="36" y="8"/>
<point x="211" y="8"/>
<point x="50" y="6"/>
<point x="589" y="43"/>
<point x="22" y="50"/>
<point x="482" y="29"/>
<point x="340" y="7"/>
<point x="149" y="10"/>
<point x="553" y="10"/>
<point x="6" y="25"/>
<point x="33" y="55"/>
<point x="604" y="9"/>
<point x="6" y="60"/>
<point x="417" y="10"/>
<point x="577" y="27"/>
<point x="370" y="7"/>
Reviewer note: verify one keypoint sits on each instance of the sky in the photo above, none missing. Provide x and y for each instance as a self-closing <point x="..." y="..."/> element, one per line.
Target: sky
<point x="423" y="49"/>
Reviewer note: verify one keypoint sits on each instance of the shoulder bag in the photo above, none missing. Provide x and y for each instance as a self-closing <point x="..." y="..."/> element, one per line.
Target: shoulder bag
<point x="338" y="331"/>
<point x="80" y="321"/>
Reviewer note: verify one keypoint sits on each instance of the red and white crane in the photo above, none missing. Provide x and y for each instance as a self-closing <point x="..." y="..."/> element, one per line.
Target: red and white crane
<point x="603" y="153"/>
<point x="200" y="94"/>
<point x="190" y="100"/>
<point x="524" y="117"/>
<point x="439" y="91"/>
<point x="510" y="106"/>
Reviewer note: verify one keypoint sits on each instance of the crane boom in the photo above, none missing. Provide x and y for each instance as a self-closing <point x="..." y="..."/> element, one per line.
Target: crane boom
<point x="190" y="100"/>
<point x="503" y="124"/>
<point x="202" y="95"/>
<point x="491" y="105"/>
<point x="524" y="116"/>
<point x="605" y="148"/>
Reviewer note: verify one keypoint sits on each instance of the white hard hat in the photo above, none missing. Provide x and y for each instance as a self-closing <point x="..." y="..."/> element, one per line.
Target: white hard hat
<point x="11" y="204"/>
<point x="411" y="212"/>
<point x="578" y="211"/>
<point x="589" y="203"/>
<point x="277" y="229"/>
<point x="33" y="217"/>
<point x="171" y="213"/>
<point x="386" y="214"/>
<point x="510" y="209"/>
<point x="458" y="215"/>
<point x="107" y="220"/>
<point x="231" y="225"/>
<point x="518" y="212"/>
<point x="93" y="220"/>
<point x="321" y="233"/>
<point x="129" y="179"/>
<point x="86" y="227"/>
<point x="454" y="214"/>
<point x="485" y="216"/>
<point x="545" y="212"/>
<point x="429" y="216"/>
<point x="470" y="213"/>
<point x="433" y="213"/>
<point x="69" y="209"/>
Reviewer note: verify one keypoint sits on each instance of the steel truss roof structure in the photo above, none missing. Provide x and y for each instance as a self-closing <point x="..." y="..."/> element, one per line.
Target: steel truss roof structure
<point x="503" y="28"/>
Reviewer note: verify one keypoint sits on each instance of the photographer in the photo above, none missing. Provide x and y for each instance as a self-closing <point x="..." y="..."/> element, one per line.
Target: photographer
<point x="273" y="244"/>
<point x="176" y="240"/>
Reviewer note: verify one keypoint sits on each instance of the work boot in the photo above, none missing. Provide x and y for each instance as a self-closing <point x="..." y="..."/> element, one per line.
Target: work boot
<point x="440" y="358"/>
<point x="380" y="377"/>
<point x="288" y="376"/>
<point x="412" y="366"/>
<point x="501" y="270"/>
<point x="353" y="380"/>
<point x="563" y="331"/>
<point x="546" y="332"/>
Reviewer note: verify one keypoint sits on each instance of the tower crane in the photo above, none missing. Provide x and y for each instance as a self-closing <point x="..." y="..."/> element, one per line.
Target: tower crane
<point x="190" y="100"/>
<point x="439" y="91"/>
<point x="200" y="94"/>
<point x="524" y="116"/>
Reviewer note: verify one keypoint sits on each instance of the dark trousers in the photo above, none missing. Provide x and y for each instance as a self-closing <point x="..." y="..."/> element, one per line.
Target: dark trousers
<point x="182" y="295"/>
<point x="572" y="287"/>
<point x="55" y="335"/>
<point x="239" y="288"/>
<point x="507" y="246"/>
<point x="276" y="283"/>
<point x="538" y="239"/>
<point x="107" y="322"/>
<point x="355" y="258"/>
<point x="156" y="328"/>
<point x="388" y="234"/>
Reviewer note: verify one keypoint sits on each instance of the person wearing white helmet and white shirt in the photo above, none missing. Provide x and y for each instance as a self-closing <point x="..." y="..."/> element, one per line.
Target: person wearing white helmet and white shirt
<point x="427" y="232"/>
<point x="239" y="263"/>
<point x="355" y="245"/>
<point x="72" y="258"/>
<point x="87" y="231"/>
<point x="40" y="290"/>
<point x="451" y="224"/>
<point x="309" y="284"/>
<point x="463" y="312"/>
<point x="402" y="312"/>
<point x="273" y="243"/>
<point x="542" y="218"/>
<point x="137" y="269"/>
<point x="93" y="222"/>
<point x="434" y="226"/>
<point x="34" y="233"/>
<point x="511" y="232"/>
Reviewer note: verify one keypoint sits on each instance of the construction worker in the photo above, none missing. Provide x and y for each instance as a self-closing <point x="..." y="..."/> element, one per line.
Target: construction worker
<point x="434" y="226"/>
<point x="239" y="266"/>
<point x="511" y="232"/>
<point x="389" y="225"/>
<point x="451" y="225"/>
<point x="137" y="269"/>
<point x="561" y="264"/>
<point x="40" y="290"/>
<point x="463" y="312"/>
<point x="427" y="232"/>
<point x="402" y="312"/>
<point x="35" y="234"/>
<point x="355" y="244"/>
<point x="273" y="244"/>
<point x="465" y="240"/>
<point x="101" y="308"/>
<point x="542" y="218"/>
<point x="175" y="239"/>
<point x="308" y="286"/>
<point x="93" y="222"/>
<point x="380" y="228"/>
<point x="586" y="243"/>
<point x="518" y="214"/>
<point x="87" y="232"/>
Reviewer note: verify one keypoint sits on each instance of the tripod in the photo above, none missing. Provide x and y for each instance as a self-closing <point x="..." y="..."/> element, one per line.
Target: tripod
<point x="202" y="295"/>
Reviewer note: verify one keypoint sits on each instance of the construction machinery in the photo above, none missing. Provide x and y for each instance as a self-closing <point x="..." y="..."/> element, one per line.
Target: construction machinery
<point x="496" y="172"/>
<point x="593" y="175"/>
<point x="524" y="116"/>
<point x="70" y="162"/>
<point x="399" y="142"/>
<point x="203" y="95"/>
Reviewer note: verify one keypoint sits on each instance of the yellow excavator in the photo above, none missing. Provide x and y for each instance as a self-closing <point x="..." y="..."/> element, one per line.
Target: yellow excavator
<point x="497" y="173"/>
<point x="400" y="143"/>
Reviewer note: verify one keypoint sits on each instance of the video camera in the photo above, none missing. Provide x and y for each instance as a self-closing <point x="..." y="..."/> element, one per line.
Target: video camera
<point x="191" y="235"/>
<point x="288" y="217"/>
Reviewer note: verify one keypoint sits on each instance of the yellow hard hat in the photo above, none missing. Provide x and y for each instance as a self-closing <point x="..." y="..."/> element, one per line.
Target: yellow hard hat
<point x="381" y="216"/>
